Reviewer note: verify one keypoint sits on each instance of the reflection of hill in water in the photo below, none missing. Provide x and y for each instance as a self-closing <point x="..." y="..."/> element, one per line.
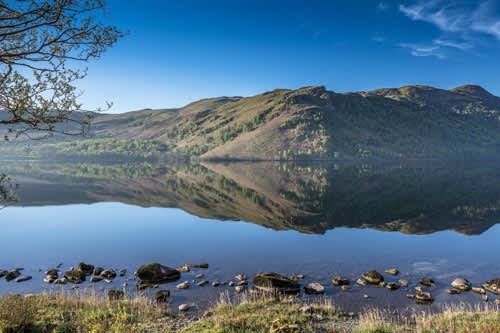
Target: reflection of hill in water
<point x="307" y="198"/>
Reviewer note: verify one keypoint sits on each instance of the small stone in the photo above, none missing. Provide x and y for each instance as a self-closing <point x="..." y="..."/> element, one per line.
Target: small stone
<point x="108" y="275"/>
<point x="392" y="286"/>
<point x="143" y="285"/>
<point x="216" y="283"/>
<point x="419" y="289"/>
<point x="12" y="275"/>
<point x="424" y="298"/>
<point x="199" y="276"/>
<point x="339" y="281"/>
<point x="404" y="283"/>
<point x="305" y="309"/>
<point x="372" y="277"/>
<point x="183" y="285"/>
<point x="242" y="283"/>
<point x="461" y="284"/>
<point x="314" y="288"/>
<point x="95" y="279"/>
<point x="202" y="283"/>
<point x="410" y="296"/>
<point x="185" y="307"/>
<point x="123" y="272"/>
<point x="427" y="282"/>
<point x="202" y="265"/>
<point x="478" y="290"/>
<point x="241" y="277"/>
<point x="23" y="278"/>
<point x="184" y="269"/>
<point x="392" y="271"/>
<point x="61" y="281"/>
<point x="231" y="284"/>
<point x="240" y="289"/>
<point x="162" y="296"/>
<point x="297" y="277"/>
<point x="115" y="295"/>
<point x="365" y="296"/>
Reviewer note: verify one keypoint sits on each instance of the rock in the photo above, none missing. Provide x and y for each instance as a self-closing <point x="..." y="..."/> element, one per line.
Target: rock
<point x="184" y="269"/>
<point x="297" y="277"/>
<point x="453" y="291"/>
<point x="242" y="283"/>
<point x="392" y="286"/>
<point x="427" y="282"/>
<point x="61" y="281"/>
<point x="240" y="289"/>
<point x="314" y="288"/>
<point x="12" y="275"/>
<point x="461" y="284"/>
<point x="123" y="272"/>
<point x="339" y="281"/>
<point x="424" y="297"/>
<point x="484" y="298"/>
<point x="183" y="285"/>
<point x="493" y="286"/>
<point x="478" y="290"/>
<point x="202" y="283"/>
<point x="115" y="295"/>
<point x="382" y="284"/>
<point x="419" y="289"/>
<point x="306" y="309"/>
<point x="87" y="269"/>
<point x="199" y="275"/>
<point x="361" y="282"/>
<point x="392" y="271"/>
<point x="108" y="275"/>
<point x="410" y="296"/>
<point x="241" y="277"/>
<point x="162" y="296"/>
<point x="23" y="278"/>
<point x="231" y="284"/>
<point x="97" y="271"/>
<point x="275" y="283"/>
<point x="75" y="276"/>
<point x="202" y="265"/>
<point x="365" y="296"/>
<point x="185" y="307"/>
<point x="157" y="273"/>
<point x="51" y="275"/>
<point x="95" y="279"/>
<point x="143" y="285"/>
<point x="404" y="283"/>
<point x="3" y="273"/>
<point x="372" y="277"/>
<point x="216" y="283"/>
<point x="345" y="287"/>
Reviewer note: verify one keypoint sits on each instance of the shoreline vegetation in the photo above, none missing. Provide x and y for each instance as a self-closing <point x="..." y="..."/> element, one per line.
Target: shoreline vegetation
<point x="59" y="312"/>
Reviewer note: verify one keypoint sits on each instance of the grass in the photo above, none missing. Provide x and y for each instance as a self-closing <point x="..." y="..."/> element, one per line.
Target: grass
<point x="90" y="313"/>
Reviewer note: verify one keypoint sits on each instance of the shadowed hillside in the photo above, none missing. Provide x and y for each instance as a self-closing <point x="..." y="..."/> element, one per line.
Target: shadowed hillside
<point x="308" y="198"/>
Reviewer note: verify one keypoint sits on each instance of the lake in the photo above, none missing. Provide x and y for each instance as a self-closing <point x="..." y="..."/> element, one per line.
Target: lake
<point x="427" y="219"/>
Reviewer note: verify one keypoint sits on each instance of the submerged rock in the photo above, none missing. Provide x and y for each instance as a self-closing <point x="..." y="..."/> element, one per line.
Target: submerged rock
<point x="392" y="286"/>
<point x="51" y="275"/>
<point x="123" y="272"/>
<point x="314" y="288"/>
<point x="202" y="283"/>
<point x="157" y="273"/>
<point x="404" y="283"/>
<point x="461" y="284"/>
<point x="95" y="279"/>
<point x="372" y="277"/>
<point x="162" y="296"/>
<point x="216" y="283"/>
<point x="3" y="273"/>
<point x="453" y="291"/>
<point x="339" y="281"/>
<point x="97" y="271"/>
<point x="183" y="285"/>
<point x="143" y="285"/>
<point x="108" y="275"/>
<point x="493" y="286"/>
<point x="275" y="283"/>
<point x="14" y="274"/>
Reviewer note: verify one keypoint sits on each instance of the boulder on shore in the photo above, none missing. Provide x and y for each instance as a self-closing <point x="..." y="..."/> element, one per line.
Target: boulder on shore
<point x="269" y="282"/>
<point x="156" y="273"/>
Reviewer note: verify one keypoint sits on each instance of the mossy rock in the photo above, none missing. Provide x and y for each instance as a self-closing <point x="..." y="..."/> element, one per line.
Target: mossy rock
<point x="157" y="273"/>
<point x="493" y="286"/>
<point x="275" y="283"/>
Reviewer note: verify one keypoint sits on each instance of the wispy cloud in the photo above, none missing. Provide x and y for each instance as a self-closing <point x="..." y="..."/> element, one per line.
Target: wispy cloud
<point x="420" y="50"/>
<point x="462" y="23"/>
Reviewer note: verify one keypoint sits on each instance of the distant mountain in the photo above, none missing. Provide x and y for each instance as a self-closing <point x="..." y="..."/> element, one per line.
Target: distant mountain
<point x="310" y="123"/>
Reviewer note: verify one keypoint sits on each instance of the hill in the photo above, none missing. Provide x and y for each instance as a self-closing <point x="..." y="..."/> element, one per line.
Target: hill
<point x="311" y="122"/>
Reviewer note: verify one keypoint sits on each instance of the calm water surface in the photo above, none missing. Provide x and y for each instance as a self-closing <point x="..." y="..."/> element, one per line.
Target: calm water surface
<point x="433" y="221"/>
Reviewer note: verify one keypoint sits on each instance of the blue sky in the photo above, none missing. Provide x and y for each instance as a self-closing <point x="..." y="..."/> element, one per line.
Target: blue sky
<point x="180" y="51"/>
